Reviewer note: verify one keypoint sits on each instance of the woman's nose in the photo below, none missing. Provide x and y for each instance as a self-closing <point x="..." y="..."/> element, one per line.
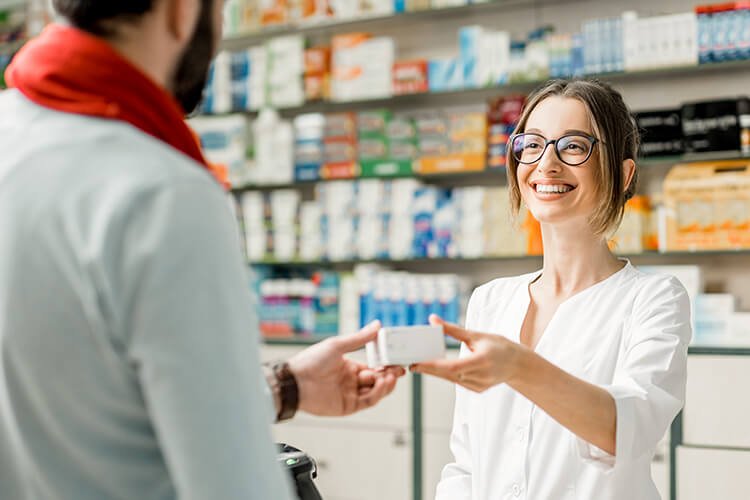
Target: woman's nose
<point x="549" y="162"/>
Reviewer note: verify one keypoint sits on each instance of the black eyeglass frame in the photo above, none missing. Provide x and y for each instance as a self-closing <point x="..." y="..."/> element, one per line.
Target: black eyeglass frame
<point x="592" y="140"/>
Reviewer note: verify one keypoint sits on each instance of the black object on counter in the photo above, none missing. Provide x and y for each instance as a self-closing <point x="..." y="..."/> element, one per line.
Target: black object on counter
<point x="720" y="125"/>
<point x="302" y="469"/>
<point x="661" y="132"/>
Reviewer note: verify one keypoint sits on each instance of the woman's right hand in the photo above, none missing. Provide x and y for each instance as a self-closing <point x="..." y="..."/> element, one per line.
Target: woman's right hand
<point x="493" y="359"/>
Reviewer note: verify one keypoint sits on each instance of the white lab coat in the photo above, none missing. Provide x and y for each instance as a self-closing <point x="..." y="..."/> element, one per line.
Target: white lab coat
<point x="129" y="363"/>
<point x="628" y="334"/>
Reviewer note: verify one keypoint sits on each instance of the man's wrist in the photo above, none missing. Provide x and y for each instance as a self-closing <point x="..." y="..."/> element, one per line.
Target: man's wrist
<point x="288" y="391"/>
<point x="284" y="389"/>
<point x="273" y="386"/>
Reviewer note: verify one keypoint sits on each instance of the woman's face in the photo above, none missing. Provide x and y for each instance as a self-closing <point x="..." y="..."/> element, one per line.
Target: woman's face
<point x="554" y="192"/>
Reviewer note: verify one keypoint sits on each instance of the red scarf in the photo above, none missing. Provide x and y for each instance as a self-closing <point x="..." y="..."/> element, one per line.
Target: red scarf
<point x="69" y="70"/>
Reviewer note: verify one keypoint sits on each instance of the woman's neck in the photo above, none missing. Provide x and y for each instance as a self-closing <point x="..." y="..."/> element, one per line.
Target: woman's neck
<point x="574" y="259"/>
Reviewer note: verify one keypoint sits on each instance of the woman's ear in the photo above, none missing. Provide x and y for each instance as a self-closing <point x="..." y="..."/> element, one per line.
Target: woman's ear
<point x="628" y="172"/>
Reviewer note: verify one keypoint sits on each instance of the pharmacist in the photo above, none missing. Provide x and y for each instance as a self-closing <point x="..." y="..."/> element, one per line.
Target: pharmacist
<point x="569" y="376"/>
<point x="129" y="364"/>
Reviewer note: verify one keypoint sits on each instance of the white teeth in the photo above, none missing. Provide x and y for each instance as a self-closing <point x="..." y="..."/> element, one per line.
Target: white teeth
<point x="549" y="188"/>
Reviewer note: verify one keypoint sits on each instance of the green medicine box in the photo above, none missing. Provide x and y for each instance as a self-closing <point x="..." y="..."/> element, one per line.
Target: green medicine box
<point x="386" y="168"/>
<point x="372" y="124"/>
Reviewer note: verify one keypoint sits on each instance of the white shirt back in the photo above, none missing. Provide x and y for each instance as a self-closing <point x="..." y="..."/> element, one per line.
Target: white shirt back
<point x="129" y="362"/>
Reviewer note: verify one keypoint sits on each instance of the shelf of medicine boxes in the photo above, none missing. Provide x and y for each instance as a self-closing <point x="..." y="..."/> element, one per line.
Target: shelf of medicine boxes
<point x="480" y="94"/>
<point x="705" y="254"/>
<point x="489" y="176"/>
<point x="496" y="176"/>
<point x="371" y="22"/>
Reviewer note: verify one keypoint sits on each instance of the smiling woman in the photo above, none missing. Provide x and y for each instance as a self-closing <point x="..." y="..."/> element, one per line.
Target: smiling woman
<point x="569" y="376"/>
<point x="602" y="125"/>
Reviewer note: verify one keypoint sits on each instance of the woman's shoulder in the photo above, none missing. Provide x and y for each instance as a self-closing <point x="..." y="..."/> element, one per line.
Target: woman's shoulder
<point x="656" y="293"/>
<point x="660" y="306"/>
<point x="498" y="289"/>
<point x="653" y="283"/>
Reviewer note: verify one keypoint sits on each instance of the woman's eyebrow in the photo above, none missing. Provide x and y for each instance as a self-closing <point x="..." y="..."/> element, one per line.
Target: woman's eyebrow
<point x="576" y="131"/>
<point x="566" y="132"/>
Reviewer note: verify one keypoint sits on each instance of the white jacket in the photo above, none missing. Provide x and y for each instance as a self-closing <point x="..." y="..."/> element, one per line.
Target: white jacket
<point x="129" y="363"/>
<point x="628" y="334"/>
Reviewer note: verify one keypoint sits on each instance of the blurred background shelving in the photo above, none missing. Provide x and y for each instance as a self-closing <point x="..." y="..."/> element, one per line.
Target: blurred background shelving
<point x="348" y="273"/>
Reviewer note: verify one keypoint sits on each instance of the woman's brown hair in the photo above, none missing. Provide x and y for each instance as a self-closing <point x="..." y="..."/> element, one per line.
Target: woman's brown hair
<point x="613" y="125"/>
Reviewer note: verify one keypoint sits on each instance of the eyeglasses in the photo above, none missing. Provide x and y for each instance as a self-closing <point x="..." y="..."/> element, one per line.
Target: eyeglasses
<point x="571" y="149"/>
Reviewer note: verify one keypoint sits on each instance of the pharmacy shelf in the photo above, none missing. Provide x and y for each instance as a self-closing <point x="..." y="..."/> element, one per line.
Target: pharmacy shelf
<point x="496" y="175"/>
<point x="373" y="22"/>
<point x="521" y="258"/>
<point x="693" y="158"/>
<point x="295" y="341"/>
<point x="706" y="350"/>
<point x="475" y="95"/>
<point x="393" y="262"/>
<point x="489" y="176"/>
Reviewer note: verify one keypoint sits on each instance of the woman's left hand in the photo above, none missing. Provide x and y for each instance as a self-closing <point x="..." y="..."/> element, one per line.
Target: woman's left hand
<point x="493" y="359"/>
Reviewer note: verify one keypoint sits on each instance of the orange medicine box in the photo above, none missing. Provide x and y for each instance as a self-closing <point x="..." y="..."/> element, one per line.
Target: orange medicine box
<point x="343" y="170"/>
<point x="274" y="12"/>
<point x="318" y="61"/>
<point x="707" y="206"/>
<point x="410" y="77"/>
<point x="635" y="232"/>
<point x="452" y="163"/>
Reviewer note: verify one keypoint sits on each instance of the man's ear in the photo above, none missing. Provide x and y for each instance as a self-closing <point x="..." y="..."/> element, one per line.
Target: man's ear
<point x="181" y="17"/>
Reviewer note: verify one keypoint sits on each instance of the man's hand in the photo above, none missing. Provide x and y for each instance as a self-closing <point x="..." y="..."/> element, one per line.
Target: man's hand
<point x="332" y="385"/>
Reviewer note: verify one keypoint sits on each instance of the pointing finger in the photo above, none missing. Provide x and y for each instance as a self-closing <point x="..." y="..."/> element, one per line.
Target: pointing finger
<point x="355" y="341"/>
<point x="452" y="330"/>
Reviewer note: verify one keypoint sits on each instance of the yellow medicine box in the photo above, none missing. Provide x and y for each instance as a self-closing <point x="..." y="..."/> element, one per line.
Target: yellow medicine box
<point x="707" y="206"/>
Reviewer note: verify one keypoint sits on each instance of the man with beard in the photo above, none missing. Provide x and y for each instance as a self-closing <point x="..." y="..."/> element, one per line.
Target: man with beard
<point x="129" y="365"/>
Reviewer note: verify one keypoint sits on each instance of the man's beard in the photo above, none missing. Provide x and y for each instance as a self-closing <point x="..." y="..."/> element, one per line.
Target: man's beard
<point x="192" y="70"/>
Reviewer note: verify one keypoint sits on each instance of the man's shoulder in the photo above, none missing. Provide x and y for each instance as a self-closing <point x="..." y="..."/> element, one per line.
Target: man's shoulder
<point x="84" y="144"/>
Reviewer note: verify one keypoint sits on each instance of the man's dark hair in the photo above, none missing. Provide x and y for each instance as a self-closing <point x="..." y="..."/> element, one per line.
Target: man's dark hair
<point x="103" y="18"/>
<point x="97" y="16"/>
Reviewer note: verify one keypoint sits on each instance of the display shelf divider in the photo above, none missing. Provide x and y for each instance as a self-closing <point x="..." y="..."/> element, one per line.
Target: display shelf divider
<point x="514" y="258"/>
<point x="422" y="98"/>
<point x="333" y="26"/>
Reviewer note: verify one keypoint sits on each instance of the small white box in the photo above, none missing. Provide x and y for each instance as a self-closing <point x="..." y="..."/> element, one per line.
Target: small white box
<point x="714" y="305"/>
<point x="406" y="345"/>
<point x="739" y="326"/>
